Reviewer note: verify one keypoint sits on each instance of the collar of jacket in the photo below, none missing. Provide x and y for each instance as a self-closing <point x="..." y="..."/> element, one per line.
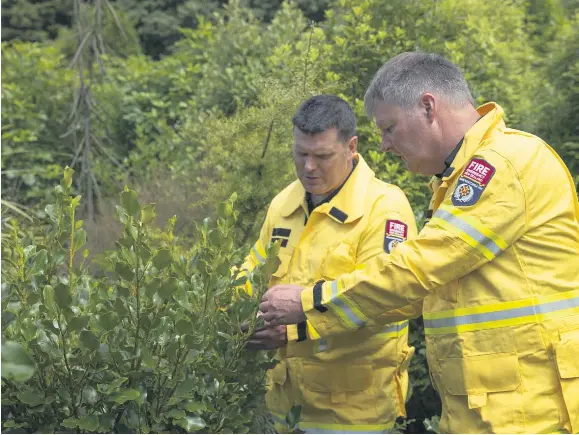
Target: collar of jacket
<point x="491" y="120"/>
<point x="349" y="200"/>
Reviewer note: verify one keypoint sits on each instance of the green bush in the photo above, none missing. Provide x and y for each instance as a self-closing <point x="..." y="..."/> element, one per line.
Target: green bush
<point x="152" y="345"/>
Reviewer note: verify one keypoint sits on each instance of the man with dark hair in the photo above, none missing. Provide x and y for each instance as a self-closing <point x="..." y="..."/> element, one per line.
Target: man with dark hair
<point x="334" y="219"/>
<point x="497" y="265"/>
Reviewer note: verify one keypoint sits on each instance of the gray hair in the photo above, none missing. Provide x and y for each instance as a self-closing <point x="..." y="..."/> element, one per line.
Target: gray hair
<point x="406" y="77"/>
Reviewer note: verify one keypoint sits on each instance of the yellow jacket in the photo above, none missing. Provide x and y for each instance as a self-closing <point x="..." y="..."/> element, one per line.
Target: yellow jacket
<point x="355" y="381"/>
<point x="498" y="269"/>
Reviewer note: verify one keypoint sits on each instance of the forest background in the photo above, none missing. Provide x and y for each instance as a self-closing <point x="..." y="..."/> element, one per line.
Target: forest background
<point x="188" y="101"/>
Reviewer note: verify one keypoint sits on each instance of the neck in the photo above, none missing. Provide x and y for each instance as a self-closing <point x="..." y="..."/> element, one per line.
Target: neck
<point x="317" y="199"/>
<point x="458" y="124"/>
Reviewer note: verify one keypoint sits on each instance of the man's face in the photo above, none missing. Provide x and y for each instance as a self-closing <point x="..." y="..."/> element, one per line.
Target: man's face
<point x="407" y="134"/>
<point x="322" y="161"/>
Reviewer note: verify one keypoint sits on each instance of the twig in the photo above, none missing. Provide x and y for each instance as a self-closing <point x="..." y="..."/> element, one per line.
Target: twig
<point x="308" y="57"/>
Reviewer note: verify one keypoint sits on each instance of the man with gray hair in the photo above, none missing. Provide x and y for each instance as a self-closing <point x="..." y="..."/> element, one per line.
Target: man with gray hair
<point x="334" y="219"/>
<point x="497" y="264"/>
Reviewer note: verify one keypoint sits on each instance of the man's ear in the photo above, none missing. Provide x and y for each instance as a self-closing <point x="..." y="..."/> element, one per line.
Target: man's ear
<point x="353" y="145"/>
<point x="429" y="106"/>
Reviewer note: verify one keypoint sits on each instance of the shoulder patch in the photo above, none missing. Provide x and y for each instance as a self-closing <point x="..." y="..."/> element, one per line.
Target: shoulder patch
<point x="396" y="232"/>
<point x="472" y="182"/>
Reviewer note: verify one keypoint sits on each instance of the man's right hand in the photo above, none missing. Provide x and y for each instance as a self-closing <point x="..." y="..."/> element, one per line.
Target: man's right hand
<point x="266" y="338"/>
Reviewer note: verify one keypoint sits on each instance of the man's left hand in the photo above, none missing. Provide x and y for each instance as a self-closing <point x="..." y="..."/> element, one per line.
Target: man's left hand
<point x="267" y="338"/>
<point x="282" y="305"/>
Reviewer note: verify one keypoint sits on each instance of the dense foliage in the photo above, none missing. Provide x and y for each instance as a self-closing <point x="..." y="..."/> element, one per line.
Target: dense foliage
<point x="188" y="116"/>
<point x="154" y="345"/>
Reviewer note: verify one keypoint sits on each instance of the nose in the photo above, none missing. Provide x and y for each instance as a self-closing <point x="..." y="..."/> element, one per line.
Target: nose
<point x="310" y="164"/>
<point x="385" y="148"/>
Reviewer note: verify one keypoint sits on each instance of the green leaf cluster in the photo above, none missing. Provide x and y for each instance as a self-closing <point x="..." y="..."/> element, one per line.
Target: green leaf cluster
<point x="150" y="343"/>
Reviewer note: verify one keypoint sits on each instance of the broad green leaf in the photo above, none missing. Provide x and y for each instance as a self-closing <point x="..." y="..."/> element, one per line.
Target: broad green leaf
<point x="119" y="307"/>
<point x="195" y="406"/>
<point x="75" y="201"/>
<point x="89" y="395"/>
<point x="147" y="358"/>
<point x="124" y="394"/>
<point x="29" y="330"/>
<point x="191" y="423"/>
<point x="162" y="259"/>
<point x="152" y="287"/>
<point x="71" y="423"/>
<point x="224" y="210"/>
<point x="124" y="271"/>
<point x="168" y="287"/>
<point x="183" y="326"/>
<point x="176" y="413"/>
<point x="78" y="322"/>
<point x="89" y="423"/>
<point x="108" y="320"/>
<point x="148" y="214"/>
<point x="66" y="181"/>
<point x="88" y="340"/>
<point x="216" y="238"/>
<point x="50" y="210"/>
<point x="185" y="388"/>
<point x="123" y="292"/>
<point x="48" y="296"/>
<point x="62" y="296"/>
<point x="38" y="264"/>
<point x="130" y="203"/>
<point x="11" y="424"/>
<point x="114" y="385"/>
<point x="31" y="397"/>
<point x="181" y="296"/>
<point x="79" y="239"/>
<point x="7" y="318"/>
<point x="17" y="365"/>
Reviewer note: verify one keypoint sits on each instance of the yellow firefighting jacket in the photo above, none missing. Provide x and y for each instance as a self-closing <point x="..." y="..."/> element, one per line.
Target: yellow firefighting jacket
<point x="498" y="269"/>
<point x="355" y="381"/>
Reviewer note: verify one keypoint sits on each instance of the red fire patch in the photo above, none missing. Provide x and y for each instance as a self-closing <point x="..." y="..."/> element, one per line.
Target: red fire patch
<point x="479" y="171"/>
<point x="396" y="232"/>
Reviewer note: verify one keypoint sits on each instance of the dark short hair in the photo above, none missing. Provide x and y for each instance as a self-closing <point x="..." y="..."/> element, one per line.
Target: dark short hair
<point x="323" y="112"/>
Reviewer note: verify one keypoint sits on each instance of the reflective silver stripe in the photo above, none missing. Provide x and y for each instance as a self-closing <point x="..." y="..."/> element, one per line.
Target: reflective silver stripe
<point x="257" y="255"/>
<point x="502" y="314"/>
<point x="343" y="306"/>
<point x="334" y="289"/>
<point x="471" y="231"/>
<point x="397" y="327"/>
<point x="348" y="312"/>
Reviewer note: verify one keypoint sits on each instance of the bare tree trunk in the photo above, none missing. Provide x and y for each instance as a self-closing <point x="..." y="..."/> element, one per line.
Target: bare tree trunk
<point x="90" y="48"/>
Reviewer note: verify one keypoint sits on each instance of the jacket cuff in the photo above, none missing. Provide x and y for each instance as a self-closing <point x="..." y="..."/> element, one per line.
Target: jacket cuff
<point x="297" y="333"/>
<point x="321" y="320"/>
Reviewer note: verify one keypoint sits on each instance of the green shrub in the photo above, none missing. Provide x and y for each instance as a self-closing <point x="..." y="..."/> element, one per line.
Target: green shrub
<point x="153" y="345"/>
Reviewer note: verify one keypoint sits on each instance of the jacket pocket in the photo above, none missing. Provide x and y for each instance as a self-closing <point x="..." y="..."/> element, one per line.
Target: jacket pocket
<point x="449" y="292"/>
<point x="338" y="389"/>
<point x="278" y="374"/>
<point x="566" y="353"/>
<point x="401" y="380"/>
<point x="337" y="262"/>
<point x="481" y="393"/>
<point x="324" y="378"/>
<point x="279" y="397"/>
